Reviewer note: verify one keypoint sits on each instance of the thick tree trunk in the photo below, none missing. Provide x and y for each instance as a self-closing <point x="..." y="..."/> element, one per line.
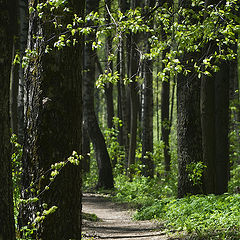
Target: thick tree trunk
<point x="7" y="19"/>
<point x="188" y="124"/>
<point x="53" y="130"/>
<point x="188" y="132"/>
<point x="105" y="176"/>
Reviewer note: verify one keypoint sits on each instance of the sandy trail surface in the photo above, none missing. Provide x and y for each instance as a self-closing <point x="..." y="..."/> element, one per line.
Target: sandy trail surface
<point x="115" y="222"/>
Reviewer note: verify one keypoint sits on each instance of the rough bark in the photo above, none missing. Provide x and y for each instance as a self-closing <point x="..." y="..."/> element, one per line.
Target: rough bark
<point x="53" y="129"/>
<point x="189" y="133"/>
<point x="7" y="18"/>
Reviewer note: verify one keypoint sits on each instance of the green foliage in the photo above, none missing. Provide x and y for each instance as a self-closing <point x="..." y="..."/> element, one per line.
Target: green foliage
<point x="16" y="168"/>
<point x="90" y="217"/>
<point x="37" y="217"/>
<point x="116" y="152"/>
<point x="195" y="172"/>
<point x="90" y="179"/>
<point x="204" y="215"/>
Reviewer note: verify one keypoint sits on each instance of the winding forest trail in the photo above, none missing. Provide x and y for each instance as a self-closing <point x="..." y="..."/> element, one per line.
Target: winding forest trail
<point x="116" y="222"/>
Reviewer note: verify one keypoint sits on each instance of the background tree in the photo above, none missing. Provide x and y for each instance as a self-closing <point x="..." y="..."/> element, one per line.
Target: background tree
<point x="105" y="176"/>
<point x="147" y="120"/>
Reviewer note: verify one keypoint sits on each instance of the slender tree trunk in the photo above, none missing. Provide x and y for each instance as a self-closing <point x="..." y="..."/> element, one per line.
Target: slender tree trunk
<point x="134" y="71"/>
<point x="109" y="86"/>
<point x="8" y="22"/>
<point x="165" y="123"/>
<point x="105" y="176"/>
<point x="165" y="96"/>
<point x="53" y="129"/>
<point x="134" y="102"/>
<point x="147" y="120"/>
<point x="123" y="90"/>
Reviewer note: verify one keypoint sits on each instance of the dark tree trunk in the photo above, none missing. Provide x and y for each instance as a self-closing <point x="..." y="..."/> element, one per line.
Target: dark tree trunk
<point x="8" y="21"/>
<point x="123" y="90"/>
<point x="53" y="129"/>
<point x="165" y="123"/>
<point x="165" y="95"/>
<point x="133" y="102"/>
<point x="215" y="124"/>
<point x="147" y="120"/>
<point x="208" y="132"/>
<point x="105" y="176"/>
<point x="222" y="128"/>
<point x="189" y="133"/>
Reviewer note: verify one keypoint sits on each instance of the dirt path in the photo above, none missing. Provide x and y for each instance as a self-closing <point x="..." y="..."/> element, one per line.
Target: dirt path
<point x="116" y="222"/>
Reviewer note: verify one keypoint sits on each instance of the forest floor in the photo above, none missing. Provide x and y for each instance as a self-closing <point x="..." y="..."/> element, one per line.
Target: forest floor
<point x="115" y="222"/>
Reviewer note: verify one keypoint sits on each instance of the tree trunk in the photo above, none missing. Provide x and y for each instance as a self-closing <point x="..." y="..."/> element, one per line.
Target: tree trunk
<point x="165" y="95"/>
<point x="105" y="176"/>
<point x="222" y="128"/>
<point x="208" y="132"/>
<point x="8" y="22"/>
<point x="165" y="123"/>
<point x="147" y="120"/>
<point x="53" y="130"/>
<point x="133" y="102"/>
<point x="189" y="133"/>
<point x="23" y="34"/>
<point x="109" y="66"/>
<point x="14" y="93"/>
